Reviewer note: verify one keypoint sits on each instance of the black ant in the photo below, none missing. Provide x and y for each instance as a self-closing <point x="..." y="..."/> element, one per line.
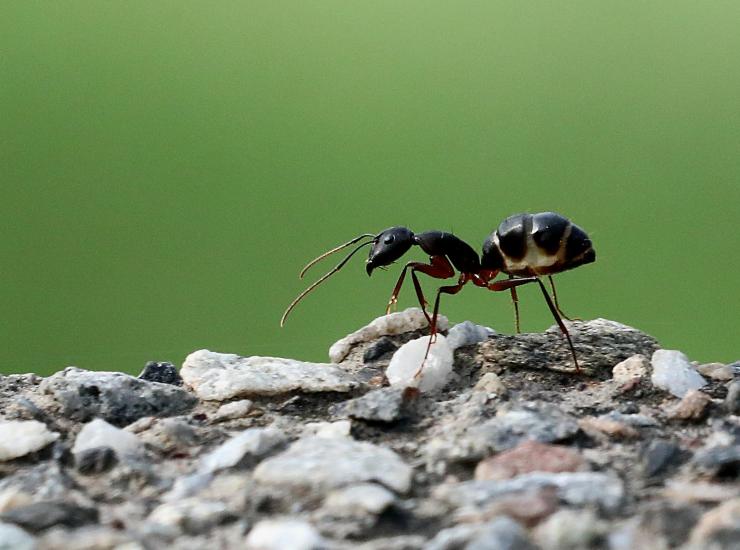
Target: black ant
<point x="525" y="247"/>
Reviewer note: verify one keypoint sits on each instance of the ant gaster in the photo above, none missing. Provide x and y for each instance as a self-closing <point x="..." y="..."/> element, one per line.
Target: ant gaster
<point x="525" y="247"/>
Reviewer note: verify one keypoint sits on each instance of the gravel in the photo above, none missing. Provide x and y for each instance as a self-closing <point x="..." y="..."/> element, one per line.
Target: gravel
<point x="508" y="449"/>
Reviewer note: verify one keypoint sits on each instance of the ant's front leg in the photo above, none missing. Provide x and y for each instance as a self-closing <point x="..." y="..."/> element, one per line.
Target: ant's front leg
<point x="438" y="267"/>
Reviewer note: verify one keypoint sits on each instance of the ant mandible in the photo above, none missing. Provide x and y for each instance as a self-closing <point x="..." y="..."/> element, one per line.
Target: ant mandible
<point x="525" y="247"/>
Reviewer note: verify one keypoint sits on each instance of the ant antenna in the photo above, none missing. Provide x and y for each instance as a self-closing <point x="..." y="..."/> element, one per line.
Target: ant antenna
<point x="339" y="266"/>
<point x="332" y="251"/>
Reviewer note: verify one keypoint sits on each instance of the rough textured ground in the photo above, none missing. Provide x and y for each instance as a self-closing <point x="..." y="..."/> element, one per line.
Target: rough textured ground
<point x="515" y="451"/>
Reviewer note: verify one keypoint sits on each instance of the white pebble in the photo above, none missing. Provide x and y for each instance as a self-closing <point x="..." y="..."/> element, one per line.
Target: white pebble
<point x="252" y="442"/>
<point x="631" y="368"/>
<point x="13" y="537"/>
<point x="407" y="360"/>
<point x="221" y="376"/>
<point x="284" y="534"/>
<point x="360" y="499"/>
<point x="467" y="333"/>
<point x="340" y="428"/>
<point x="233" y="410"/>
<point x="20" y="437"/>
<point x="395" y="323"/>
<point x="673" y="372"/>
<point x="98" y="433"/>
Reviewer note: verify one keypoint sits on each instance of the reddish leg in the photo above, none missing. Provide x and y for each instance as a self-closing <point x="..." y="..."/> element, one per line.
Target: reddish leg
<point x="438" y="267"/>
<point x="499" y="286"/>
<point x="515" y="300"/>
<point x="555" y="299"/>
<point x="452" y="289"/>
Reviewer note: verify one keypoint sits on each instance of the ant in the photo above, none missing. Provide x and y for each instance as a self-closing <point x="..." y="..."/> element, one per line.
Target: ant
<point x="525" y="247"/>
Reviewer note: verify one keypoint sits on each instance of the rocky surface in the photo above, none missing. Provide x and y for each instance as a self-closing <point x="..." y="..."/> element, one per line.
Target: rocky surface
<point x="509" y="449"/>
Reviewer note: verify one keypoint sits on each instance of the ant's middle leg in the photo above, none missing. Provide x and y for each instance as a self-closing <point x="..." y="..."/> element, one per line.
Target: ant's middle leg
<point x="452" y="289"/>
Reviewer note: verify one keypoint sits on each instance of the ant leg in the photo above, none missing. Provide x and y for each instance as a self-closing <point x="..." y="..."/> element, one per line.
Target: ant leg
<point x="515" y="300"/>
<point x="453" y="289"/>
<point x="438" y="267"/>
<point x="396" y="289"/>
<point x="510" y="283"/>
<point x="555" y="299"/>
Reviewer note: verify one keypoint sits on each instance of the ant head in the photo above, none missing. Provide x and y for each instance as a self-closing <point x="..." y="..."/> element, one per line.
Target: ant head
<point x="388" y="246"/>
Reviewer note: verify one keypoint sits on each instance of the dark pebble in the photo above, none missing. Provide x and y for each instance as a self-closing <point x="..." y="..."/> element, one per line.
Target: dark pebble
<point x="162" y="372"/>
<point x="42" y="515"/>
<point x="96" y="461"/>
<point x="659" y="457"/>
<point x="380" y="348"/>
<point x="732" y="401"/>
<point x="381" y="405"/>
<point x="721" y="462"/>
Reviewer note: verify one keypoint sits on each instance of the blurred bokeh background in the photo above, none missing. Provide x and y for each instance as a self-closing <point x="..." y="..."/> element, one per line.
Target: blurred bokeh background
<point x="168" y="167"/>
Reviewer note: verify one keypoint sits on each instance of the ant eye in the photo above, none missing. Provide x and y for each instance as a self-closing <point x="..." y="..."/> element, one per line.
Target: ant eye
<point x="389" y="239"/>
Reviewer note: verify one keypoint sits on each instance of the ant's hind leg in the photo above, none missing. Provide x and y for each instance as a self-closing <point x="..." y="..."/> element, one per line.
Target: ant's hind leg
<point x="555" y="299"/>
<point x="515" y="301"/>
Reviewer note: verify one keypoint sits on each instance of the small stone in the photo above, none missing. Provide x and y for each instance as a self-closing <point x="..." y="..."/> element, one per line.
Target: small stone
<point x="673" y="372"/>
<point x="191" y="515"/>
<point x="341" y="428"/>
<point x="693" y="406"/>
<point x="529" y="456"/>
<point x="284" y="534"/>
<point x="574" y="488"/>
<point x="502" y="533"/>
<point x="21" y="437"/>
<point x="375" y="351"/>
<point x="242" y="450"/>
<point x="15" y="538"/>
<point x="633" y="367"/>
<point x="381" y="405"/>
<point x="42" y="515"/>
<point x="221" y="376"/>
<point x="660" y="456"/>
<point x="490" y="382"/>
<point x="603" y="426"/>
<point x="540" y="422"/>
<point x="700" y="491"/>
<point x="360" y="499"/>
<point x="406" y="362"/>
<point x="571" y="529"/>
<point x="720" y="461"/>
<point x="528" y="508"/>
<point x="99" y="433"/>
<point x="12" y="497"/>
<point x="467" y="333"/>
<point x="408" y="320"/>
<point x="716" y="371"/>
<point x="162" y="372"/>
<point x="328" y="463"/>
<point x="233" y="410"/>
<point x="665" y="524"/>
<point x="96" y="460"/>
<point x="721" y="523"/>
<point x="732" y="401"/>
<point x="113" y="396"/>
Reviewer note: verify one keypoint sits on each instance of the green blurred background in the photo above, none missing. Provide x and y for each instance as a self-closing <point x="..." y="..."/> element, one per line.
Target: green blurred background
<point x="168" y="167"/>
